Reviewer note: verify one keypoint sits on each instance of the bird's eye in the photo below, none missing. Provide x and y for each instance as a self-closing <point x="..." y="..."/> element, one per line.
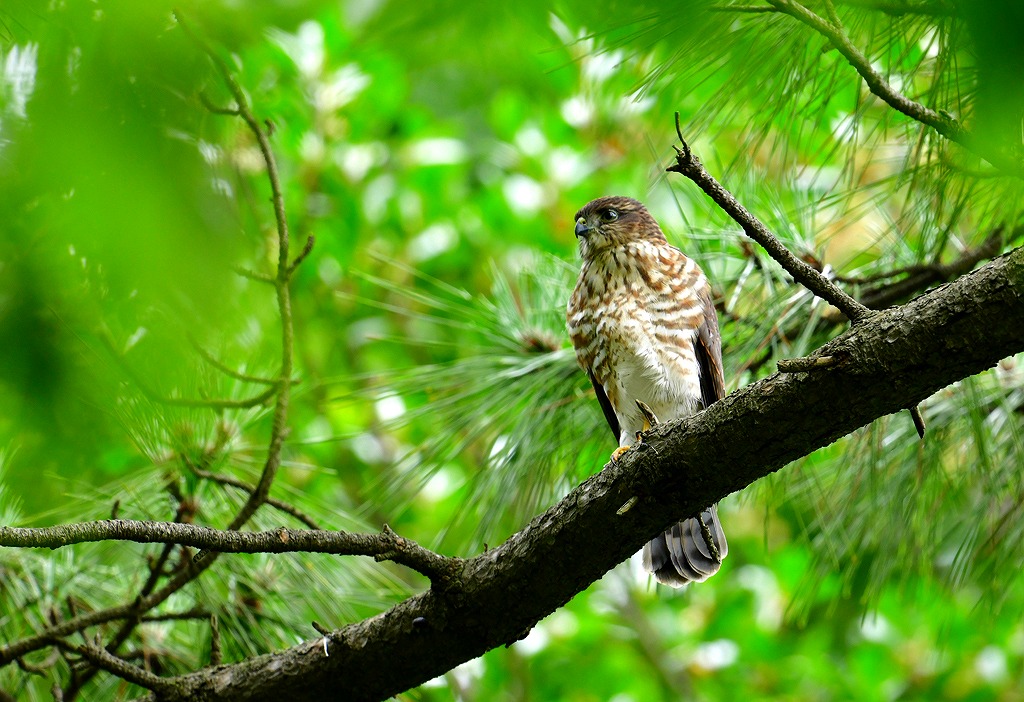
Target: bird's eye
<point x="610" y="215"/>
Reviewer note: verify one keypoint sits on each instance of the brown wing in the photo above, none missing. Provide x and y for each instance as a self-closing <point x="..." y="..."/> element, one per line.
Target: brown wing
<point x="690" y="293"/>
<point x="708" y="348"/>
<point x="606" y="405"/>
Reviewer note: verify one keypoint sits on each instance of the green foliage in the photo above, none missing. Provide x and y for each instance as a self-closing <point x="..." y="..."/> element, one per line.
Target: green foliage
<point x="507" y="400"/>
<point x="437" y="153"/>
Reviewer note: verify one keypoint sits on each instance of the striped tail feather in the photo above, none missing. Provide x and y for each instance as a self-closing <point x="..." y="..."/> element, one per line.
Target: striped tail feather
<point x="680" y="555"/>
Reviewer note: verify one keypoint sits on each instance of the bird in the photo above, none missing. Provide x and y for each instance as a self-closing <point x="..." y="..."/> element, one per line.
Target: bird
<point x="644" y="329"/>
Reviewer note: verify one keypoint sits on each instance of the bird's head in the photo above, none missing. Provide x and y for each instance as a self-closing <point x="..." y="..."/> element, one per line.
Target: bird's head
<point x="610" y="222"/>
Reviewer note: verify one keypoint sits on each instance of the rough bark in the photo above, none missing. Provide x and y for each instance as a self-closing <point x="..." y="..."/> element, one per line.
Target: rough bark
<point x="887" y="362"/>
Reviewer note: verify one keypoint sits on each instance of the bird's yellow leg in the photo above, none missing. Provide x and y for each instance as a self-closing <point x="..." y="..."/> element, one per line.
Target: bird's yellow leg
<point x="650" y="420"/>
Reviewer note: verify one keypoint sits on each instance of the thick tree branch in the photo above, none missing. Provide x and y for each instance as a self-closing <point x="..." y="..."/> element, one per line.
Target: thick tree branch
<point x="387" y="545"/>
<point x="891" y="360"/>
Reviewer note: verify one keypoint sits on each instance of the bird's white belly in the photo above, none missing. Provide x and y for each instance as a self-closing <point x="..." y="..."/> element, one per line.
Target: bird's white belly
<point x="642" y="375"/>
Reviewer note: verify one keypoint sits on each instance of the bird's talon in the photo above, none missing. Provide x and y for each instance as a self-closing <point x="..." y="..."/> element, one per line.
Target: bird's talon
<point x="617" y="453"/>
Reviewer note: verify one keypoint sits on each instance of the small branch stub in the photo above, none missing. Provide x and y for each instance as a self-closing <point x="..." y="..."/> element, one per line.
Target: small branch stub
<point x="306" y="250"/>
<point x="808" y="364"/>
<point x="709" y="540"/>
<point x="915" y="414"/>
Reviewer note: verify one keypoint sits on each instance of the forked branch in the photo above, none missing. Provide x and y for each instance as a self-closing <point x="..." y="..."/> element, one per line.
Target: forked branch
<point x="279" y="390"/>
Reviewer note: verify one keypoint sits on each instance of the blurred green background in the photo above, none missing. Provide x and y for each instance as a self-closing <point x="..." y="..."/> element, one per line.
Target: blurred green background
<point x="437" y="153"/>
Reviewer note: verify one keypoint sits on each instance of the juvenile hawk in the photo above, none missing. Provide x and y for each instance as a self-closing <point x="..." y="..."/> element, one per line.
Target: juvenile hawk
<point x="644" y="328"/>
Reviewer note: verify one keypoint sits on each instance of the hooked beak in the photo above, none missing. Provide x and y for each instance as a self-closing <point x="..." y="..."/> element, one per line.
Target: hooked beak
<point x="581" y="227"/>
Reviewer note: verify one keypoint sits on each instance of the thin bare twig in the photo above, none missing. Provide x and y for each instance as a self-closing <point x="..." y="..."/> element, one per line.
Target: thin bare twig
<point x="156" y="566"/>
<point x="279" y="505"/>
<point x="153" y="396"/>
<point x="310" y="240"/>
<point x="215" y="650"/>
<point x="690" y="166"/>
<point x="228" y="371"/>
<point x="921" y="277"/>
<point x="253" y="275"/>
<point x="208" y="104"/>
<point x="101" y="658"/>
<point x="879" y="277"/>
<point x="385" y="546"/>
<point x="194" y="613"/>
<point x="279" y="425"/>
<point x="130" y="612"/>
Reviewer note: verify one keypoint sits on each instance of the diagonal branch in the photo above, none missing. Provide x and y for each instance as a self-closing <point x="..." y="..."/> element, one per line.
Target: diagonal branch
<point x="279" y="505"/>
<point x="154" y="396"/>
<point x="691" y="167"/>
<point x="920" y="277"/>
<point x="306" y="250"/>
<point x="941" y="122"/>
<point x="103" y="659"/>
<point x="228" y="371"/>
<point x="892" y="359"/>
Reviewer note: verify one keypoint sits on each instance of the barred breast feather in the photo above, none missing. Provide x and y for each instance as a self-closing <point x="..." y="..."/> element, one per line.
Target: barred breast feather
<point x="633" y="319"/>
